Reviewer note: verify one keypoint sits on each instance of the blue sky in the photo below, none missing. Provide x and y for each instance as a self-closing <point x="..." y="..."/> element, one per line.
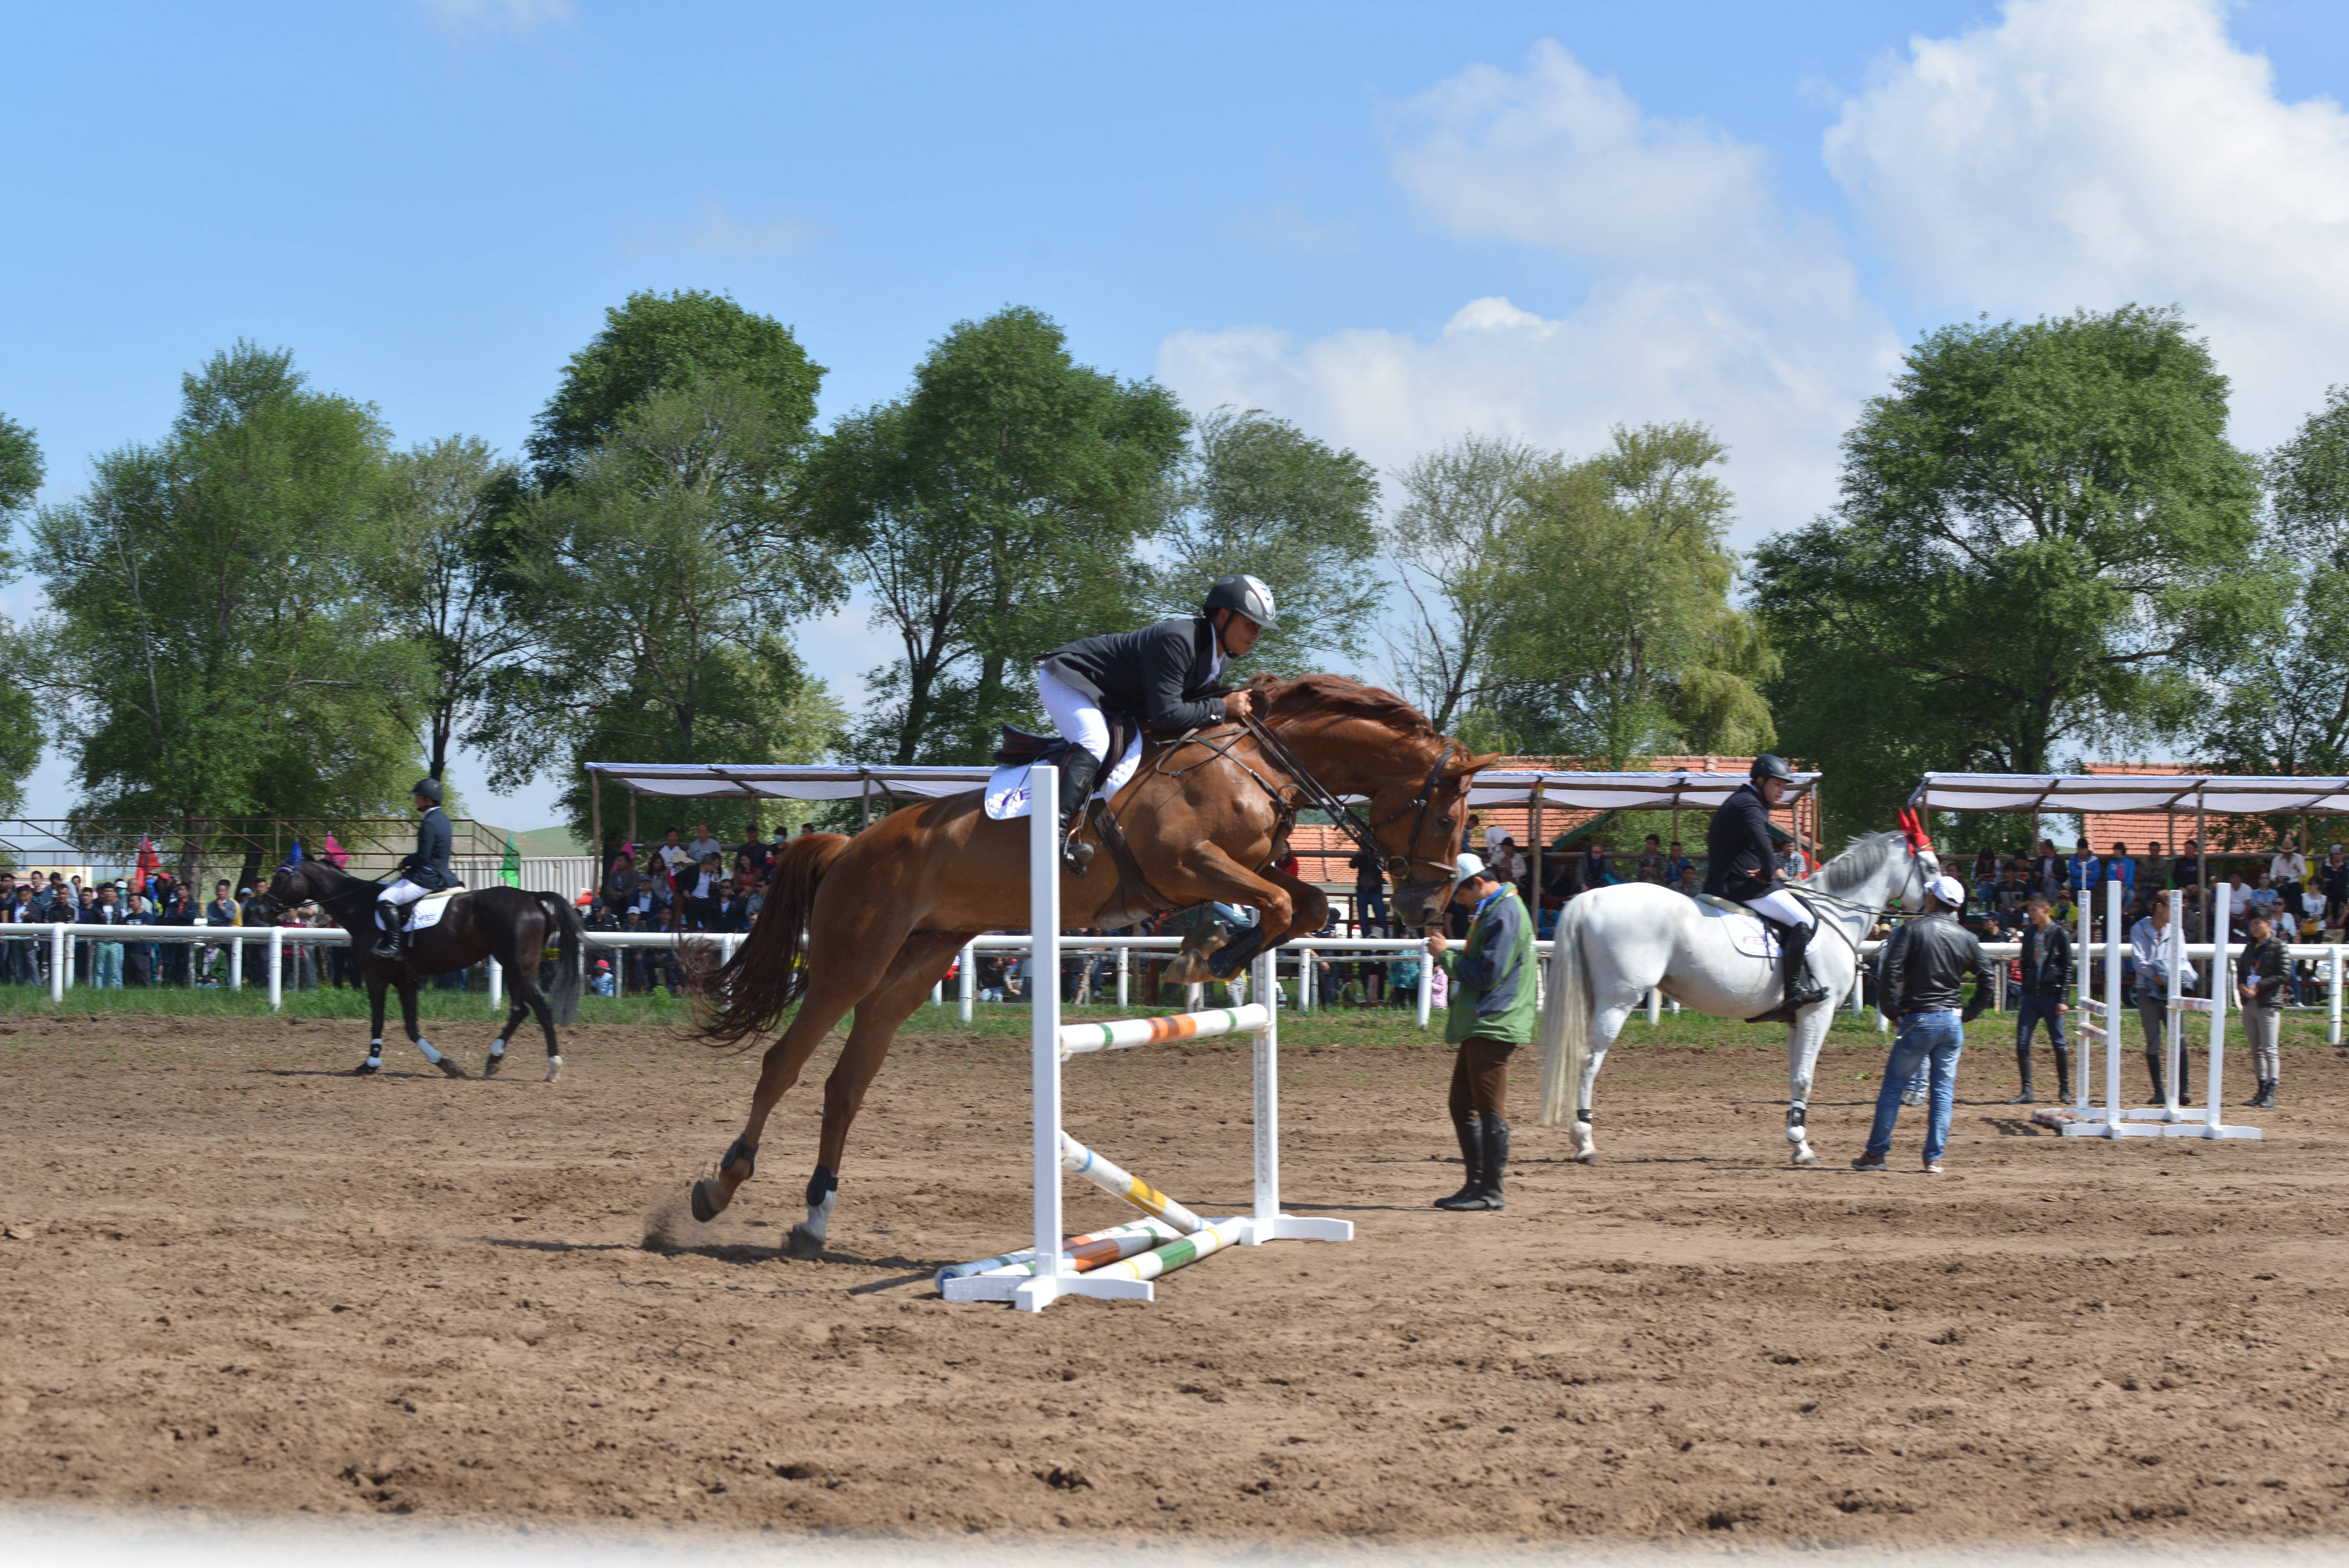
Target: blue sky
<point x="1391" y="224"/>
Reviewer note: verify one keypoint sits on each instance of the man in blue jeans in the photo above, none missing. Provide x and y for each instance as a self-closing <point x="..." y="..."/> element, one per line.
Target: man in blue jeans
<point x="2046" y="967"/>
<point x="1920" y="974"/>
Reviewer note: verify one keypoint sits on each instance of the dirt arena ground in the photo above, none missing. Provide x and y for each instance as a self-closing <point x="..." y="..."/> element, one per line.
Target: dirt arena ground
<point x="232" y="1278"/>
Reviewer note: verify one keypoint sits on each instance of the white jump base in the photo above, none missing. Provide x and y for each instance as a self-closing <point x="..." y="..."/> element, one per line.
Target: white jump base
<point x="1037" y="1284"/>
<point x="2102" y="1020"/>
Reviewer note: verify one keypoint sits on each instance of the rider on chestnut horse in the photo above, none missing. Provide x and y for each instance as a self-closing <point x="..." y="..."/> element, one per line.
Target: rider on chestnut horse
<point x="1164" y="676"/>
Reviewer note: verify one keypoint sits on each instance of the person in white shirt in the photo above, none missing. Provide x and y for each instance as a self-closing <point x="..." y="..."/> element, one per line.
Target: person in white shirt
<point x="2149" y="947"/>
<point x="2288" y="863"/>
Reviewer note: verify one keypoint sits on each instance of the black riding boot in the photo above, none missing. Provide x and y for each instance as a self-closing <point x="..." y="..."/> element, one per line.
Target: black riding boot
<point x="2023" y="1069"/>
<point x="1497" y="1161"/>
<point x="2153" y="1071"/>
<point x="1801" y="989"/>
<point x="389" y="918"/>
<point x="2265" y="1098"/>
<point x="1078" y="771"/>
<point x="2062" y="1075"/>
<point x="1471" y="1157"/>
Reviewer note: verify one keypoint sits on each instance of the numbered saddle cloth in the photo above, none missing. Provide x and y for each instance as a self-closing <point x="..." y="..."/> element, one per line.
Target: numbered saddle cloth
<point x="1008" y="795"/>
<point x="1748" y="933"/>
<point x="425" y="912"/>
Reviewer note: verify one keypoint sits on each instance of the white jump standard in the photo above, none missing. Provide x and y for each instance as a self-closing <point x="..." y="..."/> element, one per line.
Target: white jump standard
<point x="1031" y="1283"/>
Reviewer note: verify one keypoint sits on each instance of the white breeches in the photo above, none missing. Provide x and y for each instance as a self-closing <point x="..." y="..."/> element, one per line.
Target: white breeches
<point x="1077" y="717"/>
<point x="1781" y="906"/>
<point x="402" y="891"/>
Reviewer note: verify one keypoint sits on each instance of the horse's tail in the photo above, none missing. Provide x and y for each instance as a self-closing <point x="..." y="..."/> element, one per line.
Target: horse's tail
<point x="1565" y="1021"/>
<point x="742" y="998"/>
<point x="570" y="956"/>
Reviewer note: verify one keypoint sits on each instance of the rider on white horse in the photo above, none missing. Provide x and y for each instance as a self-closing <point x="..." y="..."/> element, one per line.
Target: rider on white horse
<point x="1741" y="866"/>
<point x="1160" y="675"/>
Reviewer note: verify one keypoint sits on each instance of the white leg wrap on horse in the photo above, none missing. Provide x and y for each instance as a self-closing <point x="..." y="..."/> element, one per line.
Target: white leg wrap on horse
<point x="430" y="1054"/>
<point x="819" y="1220"/>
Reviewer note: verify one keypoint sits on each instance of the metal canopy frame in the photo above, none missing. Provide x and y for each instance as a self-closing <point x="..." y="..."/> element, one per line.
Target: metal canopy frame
<point x="2111" y="794"/>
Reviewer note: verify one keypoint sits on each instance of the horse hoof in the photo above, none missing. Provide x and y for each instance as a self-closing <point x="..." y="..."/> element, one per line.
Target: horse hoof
<point x="1804" y="1157"/>
<point x="367" y="1068"/>
<point x="553" y="1068"/>
<point x="804" y="1244"/>
<point x="710" y="1200"/>
<point x="490" y="1069"/>
<point x="449" y="1067"/>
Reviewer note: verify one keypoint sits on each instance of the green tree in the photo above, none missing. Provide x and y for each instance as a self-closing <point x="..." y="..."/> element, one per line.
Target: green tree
<point x="662" y="341"/>
<point x="994" y="513"/>
<point x="214" y="647"/>
<point x="2043" y="533"/>
<point x="655" y="583"/>
<point x="443" y="572"/>
<point x="1256" y="494"/>
<point x="1461" y="504"/>
<point x="20" y="731"/>
<point x="1615" y="639"/>
<point x="2286" y="703"/>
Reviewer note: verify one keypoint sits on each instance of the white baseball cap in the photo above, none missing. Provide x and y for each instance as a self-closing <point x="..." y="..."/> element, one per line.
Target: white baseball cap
<point x="1950" y="891"/>
<point x="1467" y="868"/>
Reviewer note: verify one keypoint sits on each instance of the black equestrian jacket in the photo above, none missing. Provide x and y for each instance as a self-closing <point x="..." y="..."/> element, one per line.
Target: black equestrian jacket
<point x="428" y="868"/>
<point x="1740" y="863"/>
<point x="1157" y="675"/>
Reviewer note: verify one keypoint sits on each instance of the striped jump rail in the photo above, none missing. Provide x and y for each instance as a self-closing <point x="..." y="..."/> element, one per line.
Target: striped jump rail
<point x="1123" y="1034"/>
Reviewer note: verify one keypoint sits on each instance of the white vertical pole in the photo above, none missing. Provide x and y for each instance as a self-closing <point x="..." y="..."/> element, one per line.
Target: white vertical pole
<point x="276" y="967"/>
<point x="1427" y="985"/>
<point x="966" y="983"/>
<point x="1267" y="1107"/>
<point x="1305" y="986"/>
<point x="235" y="963"/>
<point x="60" y="963"/>
<point x="938" y="993"/>
<point x="2332" y="1003"/>
<point x="497" y="984"/>
<point x="2223" y="986"/>
<point x="2112" y="1006"/>
<point x="1044" y="1032"/>
<point x="1194" y="997"/>
<point x="1125" y="977"/>
<point x="2173" y="1045"/>
<point x="1655" y="1007"/>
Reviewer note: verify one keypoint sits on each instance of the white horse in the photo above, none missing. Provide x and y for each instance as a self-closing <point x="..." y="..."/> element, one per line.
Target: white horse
<point x="1615" y="944"/>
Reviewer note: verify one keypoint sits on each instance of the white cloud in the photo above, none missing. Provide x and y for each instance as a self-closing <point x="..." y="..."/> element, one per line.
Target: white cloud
<point x="497" y="15"/>
<point x="2093" y="152"/>
<point x="721" y="232"/>
<point x="1708" y="302"/>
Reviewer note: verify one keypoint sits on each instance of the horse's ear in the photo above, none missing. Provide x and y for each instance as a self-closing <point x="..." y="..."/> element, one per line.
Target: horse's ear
<point x="1462" y="766"/>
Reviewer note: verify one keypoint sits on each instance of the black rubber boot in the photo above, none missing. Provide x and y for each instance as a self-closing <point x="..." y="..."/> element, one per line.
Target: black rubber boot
<point x="1078" y="771"/>
<point x="394" y="941"/>
<point x="2062" y="1075"/>
<point x="1801" y="989"/>
<point x="2153" y="1071"/>
<point x="2023" y="1069"/>
<point x="1497" y="1161"/>
<point x="1471" y="1156"/>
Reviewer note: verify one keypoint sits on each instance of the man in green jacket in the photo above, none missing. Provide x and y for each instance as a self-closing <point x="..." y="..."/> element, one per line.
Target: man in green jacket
<point x="1493" y="1012"/>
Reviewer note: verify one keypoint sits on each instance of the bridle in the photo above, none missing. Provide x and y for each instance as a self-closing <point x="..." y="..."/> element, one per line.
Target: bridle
<point x="1319" y="797"/>
<point x="1912" y="827"/>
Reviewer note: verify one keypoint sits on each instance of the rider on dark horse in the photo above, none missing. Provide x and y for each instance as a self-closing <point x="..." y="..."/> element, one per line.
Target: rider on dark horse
<point x="1742" y="867"/>
<point x="1160" y="675"/>
<point x="421" y="875"/>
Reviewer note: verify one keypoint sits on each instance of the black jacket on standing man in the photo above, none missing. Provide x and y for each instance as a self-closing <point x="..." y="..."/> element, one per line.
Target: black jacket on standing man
<point x="1923" y="966"/>
<point x="1740" y="863"/>
<point x="1159" y="675"/>
<point x="2047" y="961"/>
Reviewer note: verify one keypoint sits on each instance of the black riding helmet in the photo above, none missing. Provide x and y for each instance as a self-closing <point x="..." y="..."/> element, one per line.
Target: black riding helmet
<point x="1246" y="594"/>
<point x="429" y="789"/>
<point x="1767" y="765"/>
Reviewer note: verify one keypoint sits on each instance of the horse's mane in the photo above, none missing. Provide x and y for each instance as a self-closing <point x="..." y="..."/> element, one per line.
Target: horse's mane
<point x="1861" y="859"/>
<point x="1341" y="697"/>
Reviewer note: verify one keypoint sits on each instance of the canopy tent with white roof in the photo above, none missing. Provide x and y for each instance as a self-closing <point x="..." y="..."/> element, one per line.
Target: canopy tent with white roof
<point x="1665" y="791"/>
<point x="2104" y="794"/>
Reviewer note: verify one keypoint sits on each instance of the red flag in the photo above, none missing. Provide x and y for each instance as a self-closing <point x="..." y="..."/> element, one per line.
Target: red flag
<point x="150" y="864"/>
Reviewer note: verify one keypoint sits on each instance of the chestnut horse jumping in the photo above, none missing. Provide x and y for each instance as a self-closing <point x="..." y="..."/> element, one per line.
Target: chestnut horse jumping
<point x="1206" y="816"/>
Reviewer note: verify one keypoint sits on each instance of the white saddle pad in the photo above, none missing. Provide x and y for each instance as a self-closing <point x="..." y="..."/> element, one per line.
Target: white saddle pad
<point x="1008" y="795"/>
<point x="426" y="911"/>
<point x="1746" y="932"/>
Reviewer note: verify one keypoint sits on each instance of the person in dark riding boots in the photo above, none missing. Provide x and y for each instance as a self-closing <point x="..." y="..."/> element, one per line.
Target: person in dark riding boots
<point x="425" y="872"/>
<point x="1160" y="675"/>
<point x="1742" y="867"/>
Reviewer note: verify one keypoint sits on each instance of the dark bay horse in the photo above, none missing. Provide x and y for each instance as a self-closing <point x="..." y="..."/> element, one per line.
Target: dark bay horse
<point x="500" y="922"/>
<point x="1207" y="816"/>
